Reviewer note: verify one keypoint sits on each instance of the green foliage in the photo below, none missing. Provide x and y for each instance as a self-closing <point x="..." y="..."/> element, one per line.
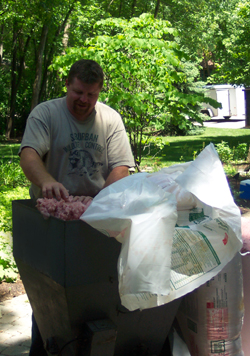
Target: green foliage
<point x="232" y="53"/>
<point x="13" y="185"/>
<point x="7" y="194"/>
<point x="224" y="152"/>
<point x="155" y="143"/>
<point x="240" y="152"/>
<point x="4" y="80"/>
<point x="197" y="152"/>
<point x="210" y="32"/>
<point x="82" y="23"/>
<point x="25" y="25"/>
<point x="230" y="171"/>
<point x="11" y="173"/>
<point x="228" y="154"/>
<point x="148" y="79"/>
<point x="8" y="268"/>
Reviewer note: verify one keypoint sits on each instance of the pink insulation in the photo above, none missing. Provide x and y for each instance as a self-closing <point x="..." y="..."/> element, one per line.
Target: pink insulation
<point x="71" y="209"/>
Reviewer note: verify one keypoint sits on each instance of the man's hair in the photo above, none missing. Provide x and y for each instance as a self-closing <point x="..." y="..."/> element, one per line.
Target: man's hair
<point x="87" y="71"/>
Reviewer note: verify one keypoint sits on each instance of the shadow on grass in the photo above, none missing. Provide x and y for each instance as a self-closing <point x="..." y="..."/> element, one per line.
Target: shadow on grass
<point x="186" y="148"/>
<point x="181" y="148"/>
<point x="9" y="151"/>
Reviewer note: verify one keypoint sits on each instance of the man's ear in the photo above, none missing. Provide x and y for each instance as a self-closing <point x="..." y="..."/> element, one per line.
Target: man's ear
<point x="66" y="83"/>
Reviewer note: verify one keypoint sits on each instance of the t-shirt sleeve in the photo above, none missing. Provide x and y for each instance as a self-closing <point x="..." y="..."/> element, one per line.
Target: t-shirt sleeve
<point x="119" y="150"/>
<point x="36" y="134"/>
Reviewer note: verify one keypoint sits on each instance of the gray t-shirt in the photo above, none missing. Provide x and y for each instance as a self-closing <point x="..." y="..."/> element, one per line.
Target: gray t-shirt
<point x="80" y="155"/>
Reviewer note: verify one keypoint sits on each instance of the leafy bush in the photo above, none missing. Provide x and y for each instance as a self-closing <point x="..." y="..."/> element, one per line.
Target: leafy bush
<point x="11" y="174"/>
<point x="228" y="154"/>
<point x="13" y="185"/>
<point x="240" y="152"/>
<point x="224" y="152"/>
<point x="189" y="129"/>
<point x="230" y="170"/>
<point x="8" y="268"/>
<point x="7" y="194"/>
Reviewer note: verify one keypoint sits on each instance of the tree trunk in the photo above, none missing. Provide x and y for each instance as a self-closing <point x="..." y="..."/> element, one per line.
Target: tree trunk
<point x="22" y="59"/>
<point x="65" y="39"/>
<point x="38" y="78"/>
<point x="109" y="5"/>
<point x="10" y="118"/>
<point x="16" y="77"/>
<point x="1" y="43"/>
<point x="120" y="8"/>
<point x="62" y="27"/>
<point x="157" y="6"/>
<point x="133" y="8"/>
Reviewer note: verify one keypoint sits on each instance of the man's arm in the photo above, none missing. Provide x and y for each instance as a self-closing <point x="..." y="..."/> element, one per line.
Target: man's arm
<point x="116" y="174"/>
<point x="34" y="169"/>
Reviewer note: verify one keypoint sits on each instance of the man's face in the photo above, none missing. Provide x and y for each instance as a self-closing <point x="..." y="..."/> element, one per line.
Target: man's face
<point x="81" y="98"/>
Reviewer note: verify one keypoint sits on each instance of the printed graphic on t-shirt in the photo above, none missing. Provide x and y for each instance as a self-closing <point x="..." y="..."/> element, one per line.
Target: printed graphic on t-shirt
<point x="81" y="161"/>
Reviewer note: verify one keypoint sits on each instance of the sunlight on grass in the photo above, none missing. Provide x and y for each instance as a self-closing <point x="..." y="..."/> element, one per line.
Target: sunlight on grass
<point x="186" y="148"/>
<point x="7" y="194"/>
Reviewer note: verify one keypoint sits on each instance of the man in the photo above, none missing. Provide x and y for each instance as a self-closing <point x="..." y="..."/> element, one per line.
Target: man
<point x="74" y="145"/>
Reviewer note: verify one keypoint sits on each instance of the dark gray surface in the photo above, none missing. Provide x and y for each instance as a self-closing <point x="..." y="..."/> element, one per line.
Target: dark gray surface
<point x="69" y="271"/>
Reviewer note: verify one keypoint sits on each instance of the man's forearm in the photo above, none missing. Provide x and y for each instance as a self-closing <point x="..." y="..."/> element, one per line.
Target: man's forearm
<point x="116" y="174"/>
<point x="33" y="167"/>
<point x="35" y="171"/>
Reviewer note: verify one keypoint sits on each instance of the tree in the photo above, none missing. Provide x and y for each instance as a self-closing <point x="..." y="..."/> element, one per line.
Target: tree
<point x="37" y="30"/>
<point x="18" y="48"/>
<point x="205" y="31"/>
<point x="44" y="59"/>
<point x="232" y="59"/>
<point x="147" y="79"/>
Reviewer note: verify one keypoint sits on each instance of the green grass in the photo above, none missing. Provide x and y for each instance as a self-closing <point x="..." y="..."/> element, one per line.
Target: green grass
<point x="9" y="151"/>
<point x="184" y="148"/>
<point x="13" y="185"/>
<point x="181" y="148"/>
<point x="7" y="194"/>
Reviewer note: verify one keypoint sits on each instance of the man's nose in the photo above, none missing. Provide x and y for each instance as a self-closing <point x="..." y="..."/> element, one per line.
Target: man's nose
<point x="84" y="98"/>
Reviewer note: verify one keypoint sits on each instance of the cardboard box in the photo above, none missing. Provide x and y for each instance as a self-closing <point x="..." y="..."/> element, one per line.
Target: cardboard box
<point x="69" y="271"/>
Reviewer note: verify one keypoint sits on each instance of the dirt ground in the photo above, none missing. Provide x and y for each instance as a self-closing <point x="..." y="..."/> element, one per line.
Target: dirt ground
<point x="11" y="290"/>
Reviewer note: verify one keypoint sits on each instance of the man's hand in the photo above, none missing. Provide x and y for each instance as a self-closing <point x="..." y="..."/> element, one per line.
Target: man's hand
<point x="36" y="172"/>
<point x="54" y="190"/>
<point x="86" y="200"/>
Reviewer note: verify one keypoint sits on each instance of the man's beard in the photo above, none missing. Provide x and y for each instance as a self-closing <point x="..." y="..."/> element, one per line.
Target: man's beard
<point x="81" y="108"/>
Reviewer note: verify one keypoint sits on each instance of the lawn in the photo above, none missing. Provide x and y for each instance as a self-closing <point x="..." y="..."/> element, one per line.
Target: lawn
<point x="8" y="151"/>
<point x="177" y="149"/>
<point x="186" y="148"/>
